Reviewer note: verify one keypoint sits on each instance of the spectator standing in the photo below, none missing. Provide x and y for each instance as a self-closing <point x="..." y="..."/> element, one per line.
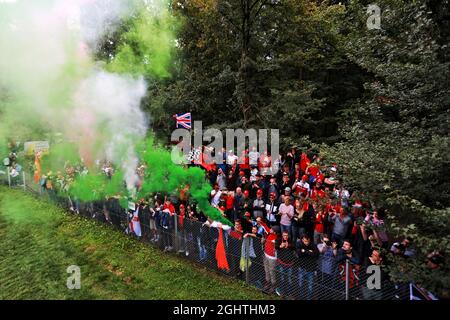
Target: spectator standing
<point x="374" y="260"/>
<point x="286" y="212"/>
<point x="253" y="156"/>
<point x="221" y="179"/>
<point x="234" y="248"/>
<point x="247" y="201"/>
<point x="292" y="158"/>
<point x="272" y="215"/>
<point x="238" y="204"/>
<point x="167" y="222"/>
<point x="155" y="220"/>
<point x="247" y="222"/>
<point x="342" y="223"/>
<point x="270" y="257"/>
<point x="286" y="194"/>
<point x="327" y="262"/>
<point x="215" y="195"/>
<point x="285" y="182"/>
<point x="319" y="228"/>
<point x="286" y="259"/>
<point x="254" y="264"/>
<point x="303" y="221"/>
<point x="182" y="232"/>
<point x="265" y="163"/>
<point x="301" y="187"/>
<point x="273" y="187"/>
<point x="233" y="175"/>
<point x="341" y="193"/>
<point x="285" y="171"/>
<point x="253" y="172"/>
<point x="344" y="254"/>
<point x="307" y="254"/>
<point x="231" y="158"/>
<point x="258" y="205"/>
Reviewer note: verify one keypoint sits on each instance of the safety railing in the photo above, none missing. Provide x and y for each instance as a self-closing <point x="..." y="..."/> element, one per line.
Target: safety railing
<point x="233" y="254"/>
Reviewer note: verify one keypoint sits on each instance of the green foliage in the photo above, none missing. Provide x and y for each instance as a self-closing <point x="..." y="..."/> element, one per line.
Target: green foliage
<point x="395" y="146"/>
<point x="252" y="65"/>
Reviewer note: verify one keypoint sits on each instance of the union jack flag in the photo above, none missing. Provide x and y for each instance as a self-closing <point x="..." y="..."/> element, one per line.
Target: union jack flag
<point x="183" y="120"/>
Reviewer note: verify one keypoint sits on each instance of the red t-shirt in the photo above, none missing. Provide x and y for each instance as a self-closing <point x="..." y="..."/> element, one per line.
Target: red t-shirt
<point x="319" y="223"/>
<point x="315" y="193"/>
<point x="246" y="163"/>
<point x="170" y="207"/>
<point x="269" y="246"/>
<point x="314" y="170"/>
<point x="229" y="202"/>
<point x="236" y="234"/>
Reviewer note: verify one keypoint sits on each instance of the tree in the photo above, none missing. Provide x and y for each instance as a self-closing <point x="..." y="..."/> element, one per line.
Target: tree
<point x="396" y="146"/>
<point x="258" y="64"/>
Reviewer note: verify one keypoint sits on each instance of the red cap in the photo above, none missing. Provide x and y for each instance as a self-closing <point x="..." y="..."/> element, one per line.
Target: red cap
<point x="358" y="204"/>
<point x="247" y="214"/>
<point x="305" y="177"/>
<point x="273" y="194"/>
<point x="259" y="192"/>
<point x="246" y="193"/>
<point x="241" y="173"/>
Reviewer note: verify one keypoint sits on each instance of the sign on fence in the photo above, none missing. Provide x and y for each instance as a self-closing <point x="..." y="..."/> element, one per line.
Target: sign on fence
<point x="32" y="147"/>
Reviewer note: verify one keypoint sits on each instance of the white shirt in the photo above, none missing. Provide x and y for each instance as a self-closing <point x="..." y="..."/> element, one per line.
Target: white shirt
<point x="231" y="158"/>
<point x="216" y="224"/>
<point x="270" y="209"/>
<point x="253" y="173"/>
<point x="215" y="197"/>
<point x="253" y="157"/>
<point x="302" y="184"/>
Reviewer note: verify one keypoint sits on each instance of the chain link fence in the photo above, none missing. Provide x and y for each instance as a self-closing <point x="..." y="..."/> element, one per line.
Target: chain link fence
<point x="285" y="272"/>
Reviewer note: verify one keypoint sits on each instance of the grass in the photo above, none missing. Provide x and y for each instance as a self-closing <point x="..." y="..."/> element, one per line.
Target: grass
<point x="38" y="241"/>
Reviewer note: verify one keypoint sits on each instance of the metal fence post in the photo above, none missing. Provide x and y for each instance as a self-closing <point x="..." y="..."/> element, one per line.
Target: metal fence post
<point x="24" y="184"/>
<point x="247" y="258"/>
<point x="175" y="244"/>
<point x="9" y="177"/>
<point x="347" y="277"/>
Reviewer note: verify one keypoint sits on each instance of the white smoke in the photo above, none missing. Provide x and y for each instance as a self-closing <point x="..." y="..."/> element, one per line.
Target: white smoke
<point x="113" y="102"/>
<point x="46" y="59"/>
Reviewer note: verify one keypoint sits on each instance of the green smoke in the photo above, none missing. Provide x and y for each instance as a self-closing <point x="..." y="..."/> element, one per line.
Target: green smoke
<point x="96" y="186"/>
<point x="147" y="47"/>
<point x="50" y="84"/>
<point x="163" y="175"/>
<point x="60" y="156"/>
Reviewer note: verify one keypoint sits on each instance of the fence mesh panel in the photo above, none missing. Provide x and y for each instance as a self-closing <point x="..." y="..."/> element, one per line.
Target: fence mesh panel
<point x="232" y="253"/>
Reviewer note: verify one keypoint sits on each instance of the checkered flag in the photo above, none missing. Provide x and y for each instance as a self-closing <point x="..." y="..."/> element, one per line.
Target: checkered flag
<point x="194" y="155"/>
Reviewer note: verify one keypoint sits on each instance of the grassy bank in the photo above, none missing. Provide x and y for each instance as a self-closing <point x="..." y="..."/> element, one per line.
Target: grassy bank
<point x="38" y="241"/>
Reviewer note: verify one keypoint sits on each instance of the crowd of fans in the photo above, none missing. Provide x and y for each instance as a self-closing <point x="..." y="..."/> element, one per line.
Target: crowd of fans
<point x="292" y="232"/>
<point x="303" y="224"/>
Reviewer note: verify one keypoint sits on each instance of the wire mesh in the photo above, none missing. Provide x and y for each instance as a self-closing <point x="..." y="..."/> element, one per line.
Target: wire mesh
<point x="287" y="272"/>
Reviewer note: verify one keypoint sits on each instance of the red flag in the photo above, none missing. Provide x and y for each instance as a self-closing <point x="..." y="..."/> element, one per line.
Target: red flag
<point x="314" y="169"/>
<point x="203" y="162"/>
<point x="221" y="256"/>
<point x="304" y="161"/>
<point x="37" y="164"/>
